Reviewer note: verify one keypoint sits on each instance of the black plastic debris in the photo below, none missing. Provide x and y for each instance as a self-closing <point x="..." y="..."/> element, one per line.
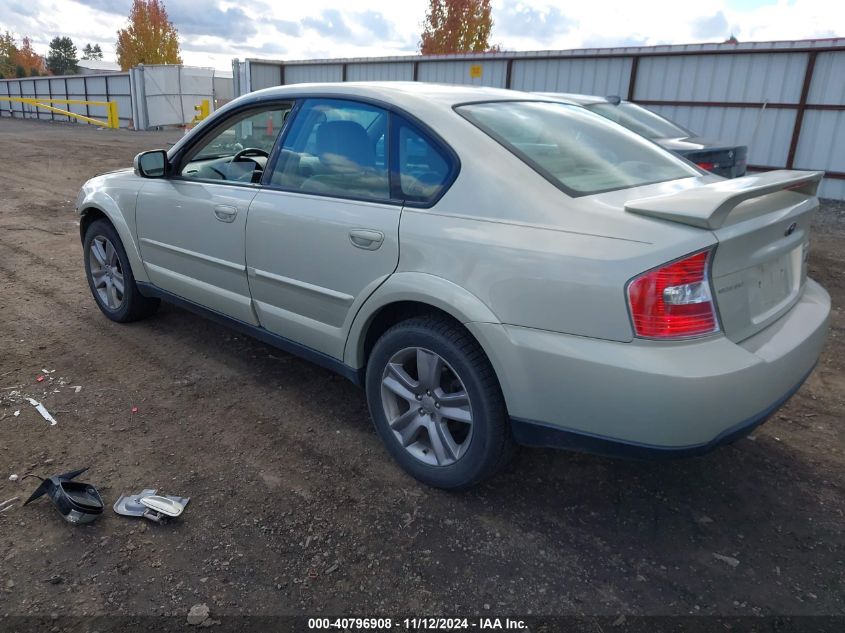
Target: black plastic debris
<point x="76" y="501"/>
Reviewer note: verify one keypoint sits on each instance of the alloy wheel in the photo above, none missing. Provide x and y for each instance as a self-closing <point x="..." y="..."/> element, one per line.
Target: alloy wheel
<point x="106" y="272"/>
<point x="427" y="406"/>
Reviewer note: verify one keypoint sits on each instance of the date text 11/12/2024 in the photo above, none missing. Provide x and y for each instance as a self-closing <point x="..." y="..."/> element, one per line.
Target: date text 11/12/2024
<point x="417" y="624"/>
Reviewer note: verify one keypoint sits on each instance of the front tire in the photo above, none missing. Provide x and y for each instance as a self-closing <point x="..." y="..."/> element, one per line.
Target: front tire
<point x="110" y="276"/>
<point x="436" y="403"/>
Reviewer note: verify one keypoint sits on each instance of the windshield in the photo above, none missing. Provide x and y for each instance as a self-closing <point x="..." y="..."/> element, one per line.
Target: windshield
<point x="640" y="120"/>
<point x="580" y="152"/>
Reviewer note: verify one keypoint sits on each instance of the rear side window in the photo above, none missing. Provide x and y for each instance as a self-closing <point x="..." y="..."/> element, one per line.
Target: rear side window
<point x="579" y="151"/>
<point x="424" y="168"/>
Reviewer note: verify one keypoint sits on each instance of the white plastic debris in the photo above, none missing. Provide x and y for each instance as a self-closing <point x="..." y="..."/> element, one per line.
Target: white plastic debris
<point x="77" y="388"/>
<point x="8" y="503"/>
<point x="729" y="560"/>
<point x="17" y="413"/>
<point x="44" y="413"/>
<point x="13" y="477"/>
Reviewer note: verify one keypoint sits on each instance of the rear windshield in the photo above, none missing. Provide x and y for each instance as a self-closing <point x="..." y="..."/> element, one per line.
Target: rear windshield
<point x="642" y="121"/>
<point x="580" y="152"/>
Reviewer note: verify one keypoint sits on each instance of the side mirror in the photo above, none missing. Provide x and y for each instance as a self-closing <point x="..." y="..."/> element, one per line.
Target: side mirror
<point x="151" y="164"/>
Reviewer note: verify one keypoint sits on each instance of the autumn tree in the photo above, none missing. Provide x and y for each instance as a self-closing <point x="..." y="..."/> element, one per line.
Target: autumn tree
<point x="149" y="38"/>
<point x="27" y="59"/>
<point x="8" y="55"/>
<point x="92" y="52"/>
<point x="61" y="59"/>
<point x="456" y="26"/>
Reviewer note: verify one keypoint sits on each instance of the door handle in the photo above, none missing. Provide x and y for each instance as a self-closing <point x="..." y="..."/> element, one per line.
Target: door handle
<point x="225" y="212"/>
<point x="366" y="238"/>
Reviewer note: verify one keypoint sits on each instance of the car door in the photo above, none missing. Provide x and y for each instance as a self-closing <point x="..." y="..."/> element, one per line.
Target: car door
<point x="191" y="225"/>
<point x="323" y="231"/>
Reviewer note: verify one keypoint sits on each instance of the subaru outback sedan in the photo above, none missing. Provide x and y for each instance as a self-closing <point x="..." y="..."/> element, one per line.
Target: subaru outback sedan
<point x="493" y="267"/>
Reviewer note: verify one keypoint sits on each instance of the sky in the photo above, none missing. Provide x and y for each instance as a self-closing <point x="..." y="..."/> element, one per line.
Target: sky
<point x="212" y="32"/>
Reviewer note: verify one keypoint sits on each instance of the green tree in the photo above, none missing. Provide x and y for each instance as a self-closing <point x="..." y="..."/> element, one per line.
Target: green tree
<point x="61" y="60"/>
<point x="8" y="55"/>
<point x="149" y="38"/>
<point x="457" y="26"/>
<point x="92" y="52"/>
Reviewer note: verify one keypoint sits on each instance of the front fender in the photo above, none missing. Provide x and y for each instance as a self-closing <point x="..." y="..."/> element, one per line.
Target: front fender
<point x="117" y="202"/>
<point x="421" y="288"/>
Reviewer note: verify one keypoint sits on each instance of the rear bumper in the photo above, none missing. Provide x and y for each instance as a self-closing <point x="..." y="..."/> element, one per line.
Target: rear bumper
<point x="652" y="399"/>
<point x="538" y="434"/>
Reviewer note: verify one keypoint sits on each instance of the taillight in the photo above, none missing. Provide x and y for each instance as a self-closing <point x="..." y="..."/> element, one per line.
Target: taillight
<point x="674" y="301"/>
<point x="706" y="166"/>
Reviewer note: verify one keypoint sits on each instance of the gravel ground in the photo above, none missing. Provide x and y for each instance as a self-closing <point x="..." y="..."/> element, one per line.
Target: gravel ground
<point x="297" y="509"/>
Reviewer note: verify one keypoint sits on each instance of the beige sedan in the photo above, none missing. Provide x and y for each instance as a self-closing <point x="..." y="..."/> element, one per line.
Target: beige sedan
<point x="494" y="267"/>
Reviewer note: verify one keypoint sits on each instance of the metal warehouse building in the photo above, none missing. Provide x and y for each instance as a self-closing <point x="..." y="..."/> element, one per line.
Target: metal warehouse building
<point x="785" y="100"/>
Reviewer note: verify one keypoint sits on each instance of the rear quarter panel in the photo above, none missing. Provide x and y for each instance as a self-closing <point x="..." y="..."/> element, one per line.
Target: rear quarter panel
<point x="533" y="255"/>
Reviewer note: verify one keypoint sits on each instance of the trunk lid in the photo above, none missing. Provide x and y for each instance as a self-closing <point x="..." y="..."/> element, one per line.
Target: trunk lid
<point x="762" y="225"/>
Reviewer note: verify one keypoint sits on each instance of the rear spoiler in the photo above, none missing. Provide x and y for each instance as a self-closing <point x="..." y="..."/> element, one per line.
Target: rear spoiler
<point x="708" y="206"/>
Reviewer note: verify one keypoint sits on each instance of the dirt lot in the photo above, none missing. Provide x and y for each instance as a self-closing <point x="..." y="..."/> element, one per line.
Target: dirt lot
<point x="296" y="507"/>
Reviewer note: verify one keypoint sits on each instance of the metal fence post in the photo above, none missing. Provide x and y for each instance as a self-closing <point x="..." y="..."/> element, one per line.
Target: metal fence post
<point x="632" y="79"/>
<point x="802" y="106"/>
<point x="113" y="118"/>
<point x="85" y="90"/>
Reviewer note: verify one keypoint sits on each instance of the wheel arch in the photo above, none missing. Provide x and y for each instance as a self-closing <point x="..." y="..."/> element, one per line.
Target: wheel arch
<point x="406" y="295"/>
<point x="92" y="212"/>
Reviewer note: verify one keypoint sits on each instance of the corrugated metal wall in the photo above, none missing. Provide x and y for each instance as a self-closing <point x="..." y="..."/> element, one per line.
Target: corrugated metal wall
<point x="171" y="93"/>
<point x="765" y="132"/>
<point x="400" y="71"/>
<point x="737" y="78"/>
<point x="785" y="100"/>
<point x="609" y="76"/>
<point x="106" y="87"/>
<point x="146" y="96"/>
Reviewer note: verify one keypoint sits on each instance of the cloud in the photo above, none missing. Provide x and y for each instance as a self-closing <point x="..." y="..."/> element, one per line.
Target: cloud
<point x="376" y="24"/>
<point x="214" y="31"/>
<point x="516" y="18"/>
<point x="329" y="24"/>
<point x="268" y="48"/>
<point x="294" y="29"/>
<point x="360" y="28"/>
<point x="601" y="41"/>
<point x="712" y="27"/>
<point x="192" y="17"/>
<point x="23" y="9"/>
<point x="197" y="17"/>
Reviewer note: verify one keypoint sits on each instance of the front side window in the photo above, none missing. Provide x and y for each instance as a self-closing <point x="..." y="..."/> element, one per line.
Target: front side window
<point x="424" y="169"/>
<point x="580" y="152"/>
<point x="238" y="150"/>
<point x="336" y="148"/>
<point x="642" y="121"/>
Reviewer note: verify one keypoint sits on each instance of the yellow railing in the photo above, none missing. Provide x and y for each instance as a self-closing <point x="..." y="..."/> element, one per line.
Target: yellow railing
<point x="111" y="108"/>
<point x="202" y="111"/>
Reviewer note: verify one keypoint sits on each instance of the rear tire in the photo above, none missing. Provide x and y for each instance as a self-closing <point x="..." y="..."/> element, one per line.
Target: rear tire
<point x="110" y="276"/>
<point x="436" y="403"/>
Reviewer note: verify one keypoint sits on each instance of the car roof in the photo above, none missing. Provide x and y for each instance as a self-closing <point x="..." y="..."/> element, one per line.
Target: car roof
<point x="420" y="99"/>
<point x="401" y="93"/>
